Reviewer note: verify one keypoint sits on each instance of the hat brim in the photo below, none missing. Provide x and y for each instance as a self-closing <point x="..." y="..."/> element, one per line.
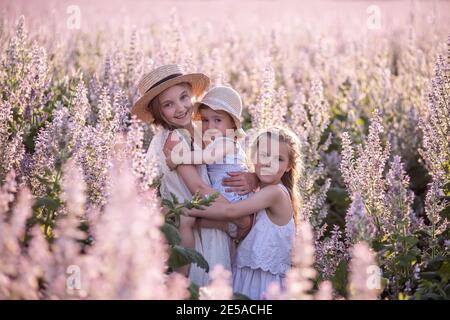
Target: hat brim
<point x="198" y="81"/>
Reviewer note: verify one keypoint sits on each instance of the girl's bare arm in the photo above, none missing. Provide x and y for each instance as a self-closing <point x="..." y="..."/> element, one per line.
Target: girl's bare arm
<point x="265" y="198"/>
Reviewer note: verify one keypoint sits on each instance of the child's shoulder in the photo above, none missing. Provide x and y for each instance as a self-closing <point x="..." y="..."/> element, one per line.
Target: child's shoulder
<point x="278" y="194"/>
<point x="274" y="190"/>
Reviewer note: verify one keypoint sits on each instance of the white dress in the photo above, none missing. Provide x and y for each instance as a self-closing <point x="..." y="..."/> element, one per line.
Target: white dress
<point x="213" y="244"/>
<point x="264" y="256"/>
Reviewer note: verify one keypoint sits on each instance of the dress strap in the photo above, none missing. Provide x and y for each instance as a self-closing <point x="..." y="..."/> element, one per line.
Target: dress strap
<point x="283" y="187"/>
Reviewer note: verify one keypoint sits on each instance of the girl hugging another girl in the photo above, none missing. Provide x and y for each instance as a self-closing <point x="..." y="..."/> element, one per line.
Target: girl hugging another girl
<point x="167" y="95"/>
<point x="219" y="112"/>
<point x="264" y="256"/>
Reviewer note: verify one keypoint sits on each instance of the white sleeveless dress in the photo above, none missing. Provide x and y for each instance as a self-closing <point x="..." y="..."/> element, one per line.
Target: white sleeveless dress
<point x="213" y="244"/>
<point x="264" y="256"/>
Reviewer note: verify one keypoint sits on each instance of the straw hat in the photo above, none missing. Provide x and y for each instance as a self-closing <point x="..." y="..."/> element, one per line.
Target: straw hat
<point x="223" y="98"/>
<point x="160" y="79"/>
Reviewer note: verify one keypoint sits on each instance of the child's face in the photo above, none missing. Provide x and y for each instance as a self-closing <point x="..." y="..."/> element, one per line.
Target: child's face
<point x="272" y="160"/>
<point x="176" y="105"/>
<point x="217" y="122"/>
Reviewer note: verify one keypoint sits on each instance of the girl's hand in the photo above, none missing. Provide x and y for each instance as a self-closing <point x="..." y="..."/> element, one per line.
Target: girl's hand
<point x="185" y="212"/>
<point x="171" y="142"/>
<point x="245" y="226"/>
<point x="241" y="182"/>
<point x="192" y="212"/>
<point x="165" y="210"/>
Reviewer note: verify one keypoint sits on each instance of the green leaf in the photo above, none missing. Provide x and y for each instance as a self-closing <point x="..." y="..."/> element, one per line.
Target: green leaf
<point x="194" y="291"/>
<point x="444" y="271"/>
<point x="167" y="203"/>
<point x="447" y="290"/>
<point x="240" y="296"/>
<point x="431" y="296"/>
<point x="174" y="198"/>
<point x="415" y="252"/>
<point x="360" y="122"/>
<point x="402" y="296"/>
<point x="339" y="198"/>
<point x="180" y="256"/>
<point x="171" y="233"/>
<point x="410" y="240"/>
<point x="429" y="275"/>
<point x="406" y="260"/>
<point x="339" y="278"/>
<point x="378" y="245"/>
<point x="50" y="203"/>
<point x="48" y="172"/>
<point x="435" y="264"/>
<point x="43" y="180"/>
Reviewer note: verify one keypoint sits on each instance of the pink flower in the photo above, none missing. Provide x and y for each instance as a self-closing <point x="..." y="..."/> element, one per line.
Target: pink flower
<point x="219" y="287"/>
<point x="299" y="280"/>
<point x="365" y="276"/>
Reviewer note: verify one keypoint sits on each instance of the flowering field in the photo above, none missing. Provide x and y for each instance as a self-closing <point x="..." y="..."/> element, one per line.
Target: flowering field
<point x="365" y="85"/>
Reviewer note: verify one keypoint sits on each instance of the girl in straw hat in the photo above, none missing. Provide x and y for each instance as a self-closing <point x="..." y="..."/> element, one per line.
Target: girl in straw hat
<point x="219" y="112"/>
<point x="166" y="101"/>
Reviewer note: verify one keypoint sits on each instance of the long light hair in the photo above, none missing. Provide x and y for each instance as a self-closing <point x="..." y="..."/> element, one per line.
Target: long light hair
<point x="290" y="179"/>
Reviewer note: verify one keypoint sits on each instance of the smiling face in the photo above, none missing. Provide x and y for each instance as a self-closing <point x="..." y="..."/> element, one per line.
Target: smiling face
<point x="175" y="105"/>
<point x="272" y="160"/>
<point x="217" y="121"/>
